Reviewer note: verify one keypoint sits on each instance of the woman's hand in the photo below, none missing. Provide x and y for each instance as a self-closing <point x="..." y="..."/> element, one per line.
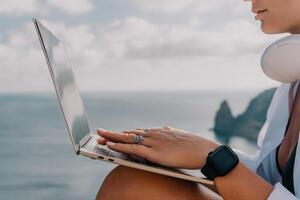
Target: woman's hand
<point x="165" y="146"/>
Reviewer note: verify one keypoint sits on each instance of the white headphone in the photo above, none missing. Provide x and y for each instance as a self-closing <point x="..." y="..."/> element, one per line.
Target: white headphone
<point x="281" y="60"/>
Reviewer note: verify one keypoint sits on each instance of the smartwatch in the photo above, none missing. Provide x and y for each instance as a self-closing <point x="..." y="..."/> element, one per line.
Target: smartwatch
<point x="220" y="162"/>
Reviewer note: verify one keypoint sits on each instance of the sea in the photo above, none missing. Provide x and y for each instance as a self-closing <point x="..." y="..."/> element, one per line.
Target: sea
<point x="38" y="162"/>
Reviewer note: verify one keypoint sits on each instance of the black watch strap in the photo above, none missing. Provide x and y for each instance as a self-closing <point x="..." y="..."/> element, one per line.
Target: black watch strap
<point x="209" y="172"/>
<point x="220" y="162"/>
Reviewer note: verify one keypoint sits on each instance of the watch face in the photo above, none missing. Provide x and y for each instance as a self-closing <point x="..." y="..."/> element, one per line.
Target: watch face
<point x="223" y="160"/>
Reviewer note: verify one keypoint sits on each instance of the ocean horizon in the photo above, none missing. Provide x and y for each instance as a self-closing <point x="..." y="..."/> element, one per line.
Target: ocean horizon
<point x="37" y="159"/>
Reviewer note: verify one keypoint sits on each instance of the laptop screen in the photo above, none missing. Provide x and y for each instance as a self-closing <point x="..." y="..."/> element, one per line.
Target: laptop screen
<point x="65" y="85"/>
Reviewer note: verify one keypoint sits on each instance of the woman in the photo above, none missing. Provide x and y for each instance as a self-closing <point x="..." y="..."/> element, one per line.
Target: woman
<point x="267" y="175"/>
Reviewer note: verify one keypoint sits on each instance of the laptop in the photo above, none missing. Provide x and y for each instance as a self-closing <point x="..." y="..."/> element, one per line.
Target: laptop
<point x="83" y="139"/>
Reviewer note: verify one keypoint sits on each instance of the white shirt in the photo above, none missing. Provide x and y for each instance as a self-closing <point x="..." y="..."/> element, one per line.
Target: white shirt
<point x="264" y="161"/>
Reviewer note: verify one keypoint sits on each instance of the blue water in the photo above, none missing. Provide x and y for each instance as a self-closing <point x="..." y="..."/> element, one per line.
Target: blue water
<point x="36" y="157"/>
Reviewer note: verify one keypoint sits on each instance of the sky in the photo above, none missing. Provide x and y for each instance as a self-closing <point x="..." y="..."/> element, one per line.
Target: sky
<point x="136" y="45"/>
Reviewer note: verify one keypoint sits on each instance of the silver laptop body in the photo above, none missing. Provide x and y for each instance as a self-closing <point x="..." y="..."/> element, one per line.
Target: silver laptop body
<point x="82" y="138"/>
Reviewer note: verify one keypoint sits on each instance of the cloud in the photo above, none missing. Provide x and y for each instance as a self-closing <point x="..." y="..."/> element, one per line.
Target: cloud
<point x="72" y="6"/>
<point x="163" y="5"/>
<point x="79" y="41"/>
<point x="17" y="7"/>
<point x="138" y="54"/>
<point x="78" y="37"/>
<point x="173" y="6"/>
<point x="44" y="7"/>
<point x="136" y="38"/>
<point x="21" y="60"/>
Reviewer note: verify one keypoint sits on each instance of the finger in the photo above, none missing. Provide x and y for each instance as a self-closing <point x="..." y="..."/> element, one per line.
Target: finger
<point x="111" y="135"/>
<point x="180" y="130"/>
<point x="120" y="137"/>
<point x="102" y="141"/>
<point x="150" y="138"/>
<point x="137" y="129"/>
<point x="145" y="129"/>
<point x="140" y="129"/>
<point x="136" y="132"/>
<point x="153" y="129"/>
<point x="134" y="149"/>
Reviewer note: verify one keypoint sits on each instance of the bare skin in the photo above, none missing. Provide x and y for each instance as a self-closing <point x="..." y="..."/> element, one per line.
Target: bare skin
<point x="128" y="183"/>
<point x="181" y="149"/>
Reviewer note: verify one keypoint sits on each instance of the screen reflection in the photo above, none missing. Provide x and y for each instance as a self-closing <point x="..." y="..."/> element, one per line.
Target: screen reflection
<point x="66" y="86"/>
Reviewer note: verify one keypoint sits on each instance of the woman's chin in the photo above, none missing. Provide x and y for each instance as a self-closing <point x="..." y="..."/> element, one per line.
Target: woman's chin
<point x="269" y="29"/>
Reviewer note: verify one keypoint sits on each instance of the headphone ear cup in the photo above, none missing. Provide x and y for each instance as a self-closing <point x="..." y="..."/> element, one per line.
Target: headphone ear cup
<point x="281" y="60"/>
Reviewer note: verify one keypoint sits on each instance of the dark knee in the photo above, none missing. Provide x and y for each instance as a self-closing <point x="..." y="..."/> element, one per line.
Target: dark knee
<point x="128" y="183"/>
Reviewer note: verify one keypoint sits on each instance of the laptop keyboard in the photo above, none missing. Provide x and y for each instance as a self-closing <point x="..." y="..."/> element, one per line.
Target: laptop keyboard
<point x="94" y="147"/>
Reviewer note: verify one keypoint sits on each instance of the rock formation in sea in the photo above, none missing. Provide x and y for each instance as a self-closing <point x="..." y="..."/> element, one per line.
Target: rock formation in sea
<point x="247" y="124"/>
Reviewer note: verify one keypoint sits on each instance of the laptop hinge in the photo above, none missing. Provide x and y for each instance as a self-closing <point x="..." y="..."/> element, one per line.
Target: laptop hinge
<point x="77" y="149"/>
<point x="85" y="140"/>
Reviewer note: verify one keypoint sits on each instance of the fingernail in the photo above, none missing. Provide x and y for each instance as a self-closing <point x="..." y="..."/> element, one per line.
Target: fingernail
<point x="101" y="129"/>
<point x="110" y="143"/>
